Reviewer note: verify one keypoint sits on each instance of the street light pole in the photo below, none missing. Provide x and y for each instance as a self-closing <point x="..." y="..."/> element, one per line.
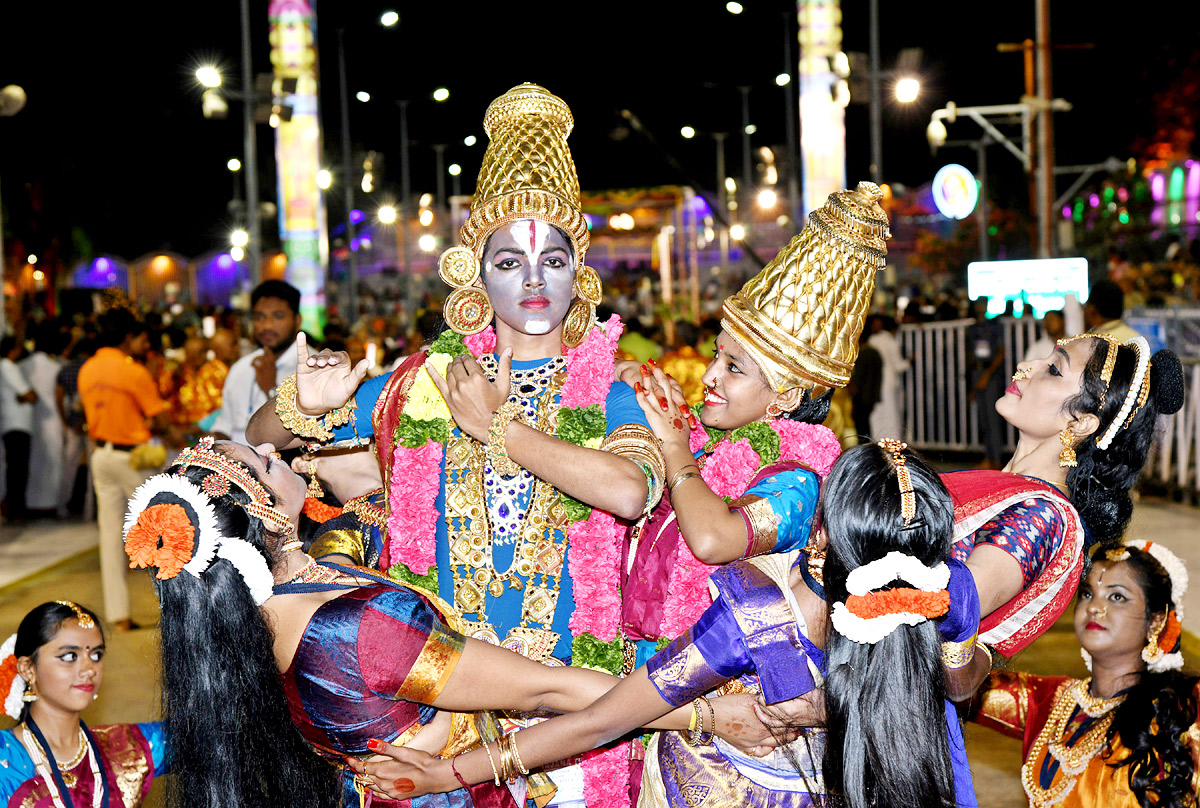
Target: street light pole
<point x="1045" y="133"/>
<point x="440" y="166"/>
<point x="250" y="136"/>
<point x="876" y="103"/>
<point x="347" y="184"/>
<point x="789" y="96"/>
<point x="747" y="160"/>
<point x="722" y="201"/>
<point x="405" y="193"/>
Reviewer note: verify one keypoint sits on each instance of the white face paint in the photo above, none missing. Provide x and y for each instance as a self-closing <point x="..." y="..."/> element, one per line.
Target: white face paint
<point x="529" y="274"/>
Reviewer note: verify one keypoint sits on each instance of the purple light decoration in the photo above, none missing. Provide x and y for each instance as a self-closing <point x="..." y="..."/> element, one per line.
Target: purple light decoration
<point x="101" y="265"/>
<point x="356" y="216"/>
<point x="1066" y="211"/>
<point x="1094" y="200"/>
<point x="1158" y="187"/>
<point x="700" y="207"/>
<point x="365" y="242"/>
<point x="1193" y="180"/>
<point x="354" y="243"/>
<point x="225" y="261"/>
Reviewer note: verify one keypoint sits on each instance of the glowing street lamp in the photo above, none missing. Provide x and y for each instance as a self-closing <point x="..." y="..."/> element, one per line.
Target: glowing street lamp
<point x="907" y="90"/>
<point x="363" y="96"/>
<point x="767" y="198"/>
<point x="733" y="8"/>
<point x="324" y="179"/>
<point x="32" y="259"/>
<point x="783" y="79"/>
<point x="425" y="217"/>
<point x="237" y="253"/>
<point x="387" y="214"/>
<point x="389" y="18"/>
<point x="427" y="243"/>
<point x="469" y="140"/>
<point x="234" y="164"/>
<point x="688" y="132"/>
<point x="208" y="76"/>
<point x="454" y="169"/>
<point x="239" y="238"/>
<point x="737" y="232"/>
<point x="441" y="94"/>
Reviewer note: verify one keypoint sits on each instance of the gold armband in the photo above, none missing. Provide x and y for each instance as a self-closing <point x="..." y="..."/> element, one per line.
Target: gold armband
<point x="958" y="655"/>
<point x="497" y="449"/>
<point x="761" y="522"/>
<point x="637" y="443"/>
<point x="307" y="426"/>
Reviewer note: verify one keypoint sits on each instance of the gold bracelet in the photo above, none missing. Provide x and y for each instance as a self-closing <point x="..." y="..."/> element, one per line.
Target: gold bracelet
<point x="987" y="651"/>
<point x="497" y="450"/>
<point x="712" y="714"/>
<point x="512" y="746"/>
<point x="310" y="426"/>
<point x="680" y="479"/>
<point x="495" y="774"/>
<point x="675" y="477"/>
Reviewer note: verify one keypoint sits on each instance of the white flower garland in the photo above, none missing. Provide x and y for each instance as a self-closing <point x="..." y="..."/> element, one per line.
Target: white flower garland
<point x="251" y="565"/>
<point x="1142" y="348"/>
<point x="1177" y="573"/>
<point x="208" y="535"/>
<point x="16" y="689"/>
<point x="897" y="565"/>
<point x="870" y="630"/>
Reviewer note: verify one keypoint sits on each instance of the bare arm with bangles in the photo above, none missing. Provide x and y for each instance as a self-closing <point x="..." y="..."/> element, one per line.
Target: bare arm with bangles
<point x="633" y="703"/>
<point x="715" y="534"/>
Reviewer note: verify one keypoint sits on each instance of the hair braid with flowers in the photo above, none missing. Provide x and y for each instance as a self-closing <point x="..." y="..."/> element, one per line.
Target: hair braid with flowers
<point x="224" y="706"/>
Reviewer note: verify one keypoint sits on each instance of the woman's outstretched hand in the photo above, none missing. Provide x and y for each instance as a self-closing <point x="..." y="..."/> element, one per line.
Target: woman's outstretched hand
<point x="739" y="725"/>
<point x="396" y="773"/>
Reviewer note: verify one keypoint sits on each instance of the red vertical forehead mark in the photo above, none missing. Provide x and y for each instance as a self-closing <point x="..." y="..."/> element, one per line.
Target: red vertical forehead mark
<point x="532" y="236"/>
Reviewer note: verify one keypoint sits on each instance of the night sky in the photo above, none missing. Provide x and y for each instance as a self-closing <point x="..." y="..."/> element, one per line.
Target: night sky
<point x="112" y="146"/>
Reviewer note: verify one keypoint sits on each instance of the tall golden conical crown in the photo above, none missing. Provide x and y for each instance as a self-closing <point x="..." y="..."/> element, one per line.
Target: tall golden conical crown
<point x="527" y="171"/>
<point x="800" y="318"/>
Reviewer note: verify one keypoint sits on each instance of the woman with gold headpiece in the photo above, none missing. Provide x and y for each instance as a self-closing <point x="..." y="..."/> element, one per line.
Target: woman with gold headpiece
<point x="508" y="441"/>
<point x="1127" y="736"/>
<point x="50" y="672"/>
<point x="268" y="655"/>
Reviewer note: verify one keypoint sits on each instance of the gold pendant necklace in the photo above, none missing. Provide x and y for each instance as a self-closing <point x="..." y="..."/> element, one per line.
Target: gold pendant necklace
<point x="69" y="779"/>
<point x="1075" y="758"/>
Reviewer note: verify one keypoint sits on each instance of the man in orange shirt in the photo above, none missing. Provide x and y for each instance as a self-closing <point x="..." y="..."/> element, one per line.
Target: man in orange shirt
<point x="123" y="409"/>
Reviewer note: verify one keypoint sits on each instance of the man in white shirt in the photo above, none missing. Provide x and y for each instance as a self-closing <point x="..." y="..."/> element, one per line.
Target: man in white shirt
<point x="886" y="416"/>
<point x="275" y="311"/>
<point x="16" y="426"/>
<point x="1054" y="328"/>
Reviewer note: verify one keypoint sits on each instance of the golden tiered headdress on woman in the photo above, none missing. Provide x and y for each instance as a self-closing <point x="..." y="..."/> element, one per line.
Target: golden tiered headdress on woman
<point x="800" y="318"/>
<point x="527" y="173"/>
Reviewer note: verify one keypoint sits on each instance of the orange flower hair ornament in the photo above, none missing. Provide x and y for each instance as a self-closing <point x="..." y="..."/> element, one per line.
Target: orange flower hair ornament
<point x="870" y="613"/>
<point x="12" y="685"/>
<point x="171" y="527"/>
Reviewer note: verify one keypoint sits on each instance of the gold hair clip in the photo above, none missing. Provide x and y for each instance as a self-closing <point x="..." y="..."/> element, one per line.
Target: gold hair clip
<point x="85" y="620"/>
<point x="908" y="498"/>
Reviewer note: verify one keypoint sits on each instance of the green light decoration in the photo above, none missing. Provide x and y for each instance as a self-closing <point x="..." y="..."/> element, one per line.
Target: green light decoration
<point x="1175" y="189"/>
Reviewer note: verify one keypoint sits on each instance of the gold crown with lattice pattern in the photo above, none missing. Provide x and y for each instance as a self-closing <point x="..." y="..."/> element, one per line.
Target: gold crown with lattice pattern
<point x="800" y="318"/>
<point x="527" y="171"/>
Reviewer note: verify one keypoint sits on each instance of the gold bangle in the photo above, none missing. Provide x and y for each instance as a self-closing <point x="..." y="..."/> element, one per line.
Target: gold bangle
<point x="512" y="746"/>
<point x="495" y="774"/>
<point x="680" y="479"/>
<point x="675" y="477"/>
<point x="712" y="714"/>
<point x="310" y="426"/>
<point x="497" y="450"/>
<point x="986" y="651"/>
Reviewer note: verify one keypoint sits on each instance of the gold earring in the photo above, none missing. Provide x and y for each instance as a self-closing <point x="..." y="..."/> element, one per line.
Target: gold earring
<point x="774" y="410"/>
<point x="1066" y="458"/>
<point x="582" y="314"/>
<point x="468" y="309"/>
<point x="315" y="491"/>
<point x="29" y="697"/>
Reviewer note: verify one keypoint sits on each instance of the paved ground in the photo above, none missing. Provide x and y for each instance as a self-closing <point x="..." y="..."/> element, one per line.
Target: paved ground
<point x="51" y="560"/>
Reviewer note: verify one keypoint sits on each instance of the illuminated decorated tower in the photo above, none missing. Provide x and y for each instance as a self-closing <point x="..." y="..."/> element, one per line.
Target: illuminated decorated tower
<point x="302" y="224"/>
<point x="823" y="98"/>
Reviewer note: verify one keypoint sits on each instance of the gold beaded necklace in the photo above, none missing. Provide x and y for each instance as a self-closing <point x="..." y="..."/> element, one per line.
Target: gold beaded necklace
<point x="1073" y="759"/>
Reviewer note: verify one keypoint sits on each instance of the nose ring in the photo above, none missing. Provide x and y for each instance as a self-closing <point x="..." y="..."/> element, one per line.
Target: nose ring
<point x="1021" y="375"/>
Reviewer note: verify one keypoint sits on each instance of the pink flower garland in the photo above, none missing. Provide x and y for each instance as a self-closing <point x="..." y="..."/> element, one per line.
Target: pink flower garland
<point x="606" y="777"/>
<point x="590" y="366"/>
<point x="482" y="343"/>
<point x="594" y="560"/>
<point x="412" y="517"/>
<point x="729" y="470"/>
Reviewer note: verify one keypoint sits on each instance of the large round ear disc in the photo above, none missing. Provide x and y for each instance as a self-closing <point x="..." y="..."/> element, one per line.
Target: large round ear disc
<point x="458" y="267"/>
<point x="468" y="311"/>
<point x="587" y="284"/>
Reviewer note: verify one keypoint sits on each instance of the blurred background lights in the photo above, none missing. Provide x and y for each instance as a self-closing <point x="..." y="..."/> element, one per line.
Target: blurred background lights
<point x="737" y="232"/>
<point x="907" y="90"/>
<point x="454" y="169"/>
<point x="324" y="179"/>
<point x="469" y="140"/>
<point x="237" y="253"/>
<point x="441" y="94"/>
<point x="783" y="79"/>
<point x="733" y="8"/>
<point x="688" y="132"/>
<point x="387" y="214"/>
<point x="234" y="164"/>
<point x="239" y="238"/>
<point x="389" y="18"/>
<point x="425" y="217"/>
<point x="427" y="243"/>
<point x="209" y="76"/>
<point x="363" y="96"/>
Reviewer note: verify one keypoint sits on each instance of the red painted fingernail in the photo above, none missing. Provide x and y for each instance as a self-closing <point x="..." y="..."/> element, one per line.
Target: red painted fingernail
<point x="638" y="387"/>
<point x="662" y="402"/>
<point x="645" y="370"/>
<point x="374" y="745"/>
<point x="652" y="364"/>
<point x="692" y="420"/>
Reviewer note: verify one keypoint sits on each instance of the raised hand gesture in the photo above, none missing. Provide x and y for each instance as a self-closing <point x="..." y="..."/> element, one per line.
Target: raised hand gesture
<point x="325" y="380"/>
<point x="473" y="398"/>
